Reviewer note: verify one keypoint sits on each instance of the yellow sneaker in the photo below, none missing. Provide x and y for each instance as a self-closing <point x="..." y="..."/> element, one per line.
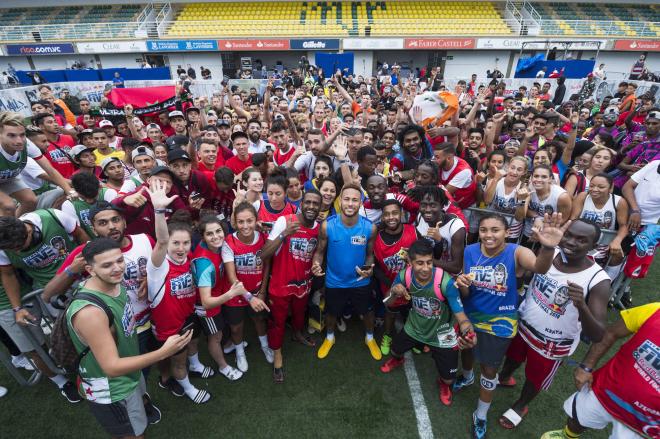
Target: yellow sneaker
<point x="324" y="350"/>
<point x="373" y="348"/>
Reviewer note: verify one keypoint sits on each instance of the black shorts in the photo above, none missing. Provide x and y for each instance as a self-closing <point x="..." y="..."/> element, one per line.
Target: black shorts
<point x="122" y="418"/>
<point x="191" y="322"/>
<point x="234" y="315"/>
<point x="402" y="310"/>
<point x="490" y="349"/>
<point x="446" y="359"/>
<point x="212" y="325"/>
<point x="336" y="298"/>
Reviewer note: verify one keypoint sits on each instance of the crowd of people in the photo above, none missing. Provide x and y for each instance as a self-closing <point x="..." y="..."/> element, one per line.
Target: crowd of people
<point x="478" y="239"/>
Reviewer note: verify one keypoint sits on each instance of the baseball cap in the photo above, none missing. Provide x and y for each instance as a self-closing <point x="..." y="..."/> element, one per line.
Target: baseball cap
<point x="101" y="206"/>
<point x="222" y="123"/>
<point x="106" y="161"/>
<point x="176" y="141"/>
<point x="189" y="109"/>
<point x="175" y="113"/>
<point x="655" y="114"/>
<point x="105" y="123"/>
<point x="86" y="131"/>
<point x="177" y="154"/>
<point x="142" y="150"/>
<point x="79" y="149"/>
<point x="278" y="87"/>
<point x="152" y="126"/>
<point x="161" y="169"/>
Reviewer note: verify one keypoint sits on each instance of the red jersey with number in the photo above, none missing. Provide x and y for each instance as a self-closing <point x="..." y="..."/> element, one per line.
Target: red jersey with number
<point x="248" y="264"/>
<point x="266" y="215"/>
<point x="292" y="264"/>
<point x="628" y="386"/>
<point x="391" y="259"/>
<point x="177" y="303"/>
<point x="219" y="285"/>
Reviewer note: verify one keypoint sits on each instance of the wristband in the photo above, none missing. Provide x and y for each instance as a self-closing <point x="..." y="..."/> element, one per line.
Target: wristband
<point x="520" y="203"/>
<point x="585" y="368"/>
<point x="17" y="309"/>
<point x="70" y="274"/>
<point x="160" y="211"/>
<point x="248" y="296"/>
<point x="635" y="211"/>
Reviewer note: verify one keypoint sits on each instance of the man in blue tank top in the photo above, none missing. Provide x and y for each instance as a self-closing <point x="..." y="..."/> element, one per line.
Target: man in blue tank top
<point x="349" y="239"/>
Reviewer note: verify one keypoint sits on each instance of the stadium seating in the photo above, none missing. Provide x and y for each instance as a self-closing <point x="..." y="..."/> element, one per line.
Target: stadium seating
<point x="339" y="19"/>
<point x="623" y="20"/>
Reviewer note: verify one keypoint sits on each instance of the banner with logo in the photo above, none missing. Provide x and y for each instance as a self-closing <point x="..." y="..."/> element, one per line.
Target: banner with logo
<point x="373" y="43"/>
<point x="40" y="49"/>
<point x="315" y="44"/>
<point x="181" y="45"/>
<point x="438" y="43"/>
<point x="640" y="45"/>
<point x="241" y="45"/>
<point x="112" y="47"/>
<point x="517" y="43"/>
<point x="155" y="108"/>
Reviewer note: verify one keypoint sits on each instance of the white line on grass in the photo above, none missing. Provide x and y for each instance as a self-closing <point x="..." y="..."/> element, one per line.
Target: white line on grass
<point x="421" y="412"/>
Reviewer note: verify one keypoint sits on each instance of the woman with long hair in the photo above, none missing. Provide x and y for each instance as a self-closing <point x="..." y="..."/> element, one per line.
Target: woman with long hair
<point x="578" y="182"/>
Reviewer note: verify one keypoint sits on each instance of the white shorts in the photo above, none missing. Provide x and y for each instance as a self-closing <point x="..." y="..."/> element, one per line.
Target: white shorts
<point x="591" y="414"/>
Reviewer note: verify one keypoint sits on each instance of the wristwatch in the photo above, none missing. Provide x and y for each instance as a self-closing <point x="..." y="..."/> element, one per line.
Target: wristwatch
<point x="585" y="368"/>
<point x="17" y="309"/>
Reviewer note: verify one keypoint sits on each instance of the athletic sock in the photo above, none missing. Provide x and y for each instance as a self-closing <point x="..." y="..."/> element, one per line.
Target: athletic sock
<point x="370" y="336"/>
<point x="482" y="409"/>
<point x="225" y="370"/>
<point x="612" y="271"/>
<point x="569" y="434"/>
<point x="263" y="339"/>
<point x="240" y="349"/>
<point x="195" y="364"/>
<point x="190" y="390"/>
<point x="330" y="335"/>
<point x="60" y="380"/>
<point x="468" y="374"/>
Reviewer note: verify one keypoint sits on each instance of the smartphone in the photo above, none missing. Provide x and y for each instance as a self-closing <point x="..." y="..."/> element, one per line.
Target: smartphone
<point x="195" y="196"/>
<point x="187" y="327"/>
<point x="365" y="267"/>
<point x="267" y="224"/>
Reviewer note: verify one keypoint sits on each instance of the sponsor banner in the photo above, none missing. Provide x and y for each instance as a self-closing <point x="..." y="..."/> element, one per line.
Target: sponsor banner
<point x="181" y="45"/>
<point x="517" y="43"/>
<point x="317" y="44"/>
<point x="642" y="45"/>
<point x="155" y="108"/>
<point x="112" y="47"/>
<point x="242" y="45"/>
<point x="39" y="49"/>
<point x="373" y="43"/>
<point x="438" y="43"/>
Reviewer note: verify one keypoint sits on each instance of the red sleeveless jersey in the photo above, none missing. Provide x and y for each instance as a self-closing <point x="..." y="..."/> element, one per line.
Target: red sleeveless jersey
<point x="465" y="197"/>
<point x="392" y="258"/>
<point x="292" y="264"/>
<point x="266" y="216"/>
<point x="628" y="386"/>
<point x="219" y="286"/>
<point x="178" y="301"/>
<point x="248" y="265"/>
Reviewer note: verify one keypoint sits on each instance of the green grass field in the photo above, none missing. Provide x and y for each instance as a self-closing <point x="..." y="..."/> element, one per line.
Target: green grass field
<point x="344" y="395"/>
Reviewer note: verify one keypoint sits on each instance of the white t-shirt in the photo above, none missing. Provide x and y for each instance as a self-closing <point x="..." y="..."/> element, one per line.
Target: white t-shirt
<point x="116" y="142"/>
<point x="460" y="180"/>
<point x="228" y="254"/>
<point x="68" y="208"/>
<point x="32" y="173"/>
<point x="68" y="222"/>
<point x="647" y="193"/>
<point x="540" y="74"/>
<point x="129" y="185"/>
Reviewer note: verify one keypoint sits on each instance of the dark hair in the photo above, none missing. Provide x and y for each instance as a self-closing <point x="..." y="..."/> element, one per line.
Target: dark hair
<point x="292" y="173"/>
<point x="435" y="169"/>
<point x="546" y="167"/>
<point x="259" y="159"/>
<point x="559" y="147"/>
<point x="180" y="222"/>
<point x="495" y="152"/>
<point x="314" y="131"/>
<point x="325" y="159"/>
<point x="364" y="152"/>
<point x="595" y="227"/>
<point x="245" y="205"/>
<point x="31" y="131"/>
<point x="276" y="127"/>
<point x="13" y="233"/>
<point x="86" y="184"/>
<point x="477" y="131"/>
<point x="313" y="192"/>
<point x="353" y="186"/>
<point x="130" y="143"/>
<point x="224" y="175"/>
<point x="246" y="174"/>
<point x="200" y="141"/>
<point x="496" y="216"/>
<point x="98" y="246"/>
<point x="98" y="131"/>
<point x="391" y="202"/>
<point x="421" y="247"/>
<point x="607" y="177"/>
<point x="607" y="140"/>
<point x="410" y="129"/>
<point x="445" y="147"/>
<point x="38" y="119"/>
<point x="330" y="180"/>
<point x="211" y="219"/>
<point x="278" y="177"/>
<point x="436" y="193"/>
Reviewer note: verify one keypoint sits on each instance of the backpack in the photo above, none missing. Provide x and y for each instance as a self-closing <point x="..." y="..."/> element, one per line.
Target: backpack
<point x="63" y="350"/>
<point x="439" y="281"/>
<point x="581" y="181"/>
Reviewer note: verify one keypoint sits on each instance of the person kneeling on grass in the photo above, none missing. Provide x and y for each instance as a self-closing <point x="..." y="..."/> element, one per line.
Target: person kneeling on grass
<point x="110" y="374"/>
<point x="434" y="299"/>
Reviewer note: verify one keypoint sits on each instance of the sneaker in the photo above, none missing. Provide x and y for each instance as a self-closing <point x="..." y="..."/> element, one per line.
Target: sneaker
<point x="231" y="347"/>
<point x="385" y="344"/>
<point x="21" y="362"/>
<point x="341" y="325"/>
<point x="278" y="375"/>
<point x="373" y="349"/>
<point x="70" y="392"/>
<point x="478" y="427"/>
<point x="268" y="353"/>
<point x="172" y="385"/>
<point x="3" y="391"/>
<point x="392" y="364"/>
<point x="231" y="373"/>
<point x="153" y="413"/>
<point x="241" y="363"/>
<point x="555" y="434"/>
<point x="416" y="351"/>
<point x="324" y="350"/>
<point x="444" y="393"/>
<point x="462" y="382"/>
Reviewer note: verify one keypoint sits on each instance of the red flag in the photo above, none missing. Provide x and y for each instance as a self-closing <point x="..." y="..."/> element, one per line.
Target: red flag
<point x="141" y="97"/>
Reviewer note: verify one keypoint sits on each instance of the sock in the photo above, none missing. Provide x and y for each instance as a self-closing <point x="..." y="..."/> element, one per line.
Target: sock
<point x="330" y="335"/>
<point x="190" y="390"/>
<point x="468" y="374"/>
<point x="482" y="409"/>
<point x="263" y="339"/>
<point x="569" y="434"/>
<point x="370" y="336"/>
<point x="612" y="271"/>
<point x="60" y="380"/>
<point x="240" y="349"/>
<point x="195" y="363"/>
<point x="225" y="370"/>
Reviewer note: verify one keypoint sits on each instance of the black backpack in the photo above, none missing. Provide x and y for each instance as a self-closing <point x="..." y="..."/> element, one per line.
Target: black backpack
<point x="62" y="349"/>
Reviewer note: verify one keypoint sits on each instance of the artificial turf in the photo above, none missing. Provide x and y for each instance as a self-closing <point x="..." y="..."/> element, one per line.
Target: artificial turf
<point x="344" y="395"/>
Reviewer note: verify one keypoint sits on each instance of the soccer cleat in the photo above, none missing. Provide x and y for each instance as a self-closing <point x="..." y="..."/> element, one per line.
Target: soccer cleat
<point x="385" y="344"/>
<point x="268" y="353"/>
<point x="444" y="392"/>
<point x="462" y="382"/>
<point x="241" y="363"/>
<point x="21" y="362"/>
<point x="278" y="375"/>
<point x="172" y="385"/>
<point x="324" y="350"/>
<point x="478" y="427"/>
<point x="392" y="364"/>
<point x="373" y="349"/>
<point x="153" y="413"/>
<point x="70" y="392"/>
<point x="555" y="434"/>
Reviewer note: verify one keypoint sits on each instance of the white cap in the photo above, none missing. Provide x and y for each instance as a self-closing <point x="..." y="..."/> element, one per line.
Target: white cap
<point x="79" y="149"/>
<point x="105" y="123"/>
<point x="176" y="113"/>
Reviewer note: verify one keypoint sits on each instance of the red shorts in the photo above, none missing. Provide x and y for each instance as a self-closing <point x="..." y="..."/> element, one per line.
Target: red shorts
<point x="539" y="370"/>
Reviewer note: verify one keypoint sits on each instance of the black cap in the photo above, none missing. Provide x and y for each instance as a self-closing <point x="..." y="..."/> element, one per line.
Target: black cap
<point x="102" y="206"/>
<point x="238" y="134"/>
<point x="222" y="122"/>
<point x="177" y="154"/>
<point x="176" y="142"/>
<point x="160" y="169"/>
<point x="189" y="109"/>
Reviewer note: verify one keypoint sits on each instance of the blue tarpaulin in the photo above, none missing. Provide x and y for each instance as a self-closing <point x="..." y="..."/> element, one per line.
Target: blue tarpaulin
<point x="573" y="69"/>
<point x="96" y="75"/>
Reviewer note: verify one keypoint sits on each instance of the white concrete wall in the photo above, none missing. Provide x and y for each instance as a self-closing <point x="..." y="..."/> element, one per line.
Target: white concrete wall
<point x="363" y="63"/>
<point x="55" y="62"/>
<point x="18" y="62"/>
<point x="116" y="60"/>
<point x="618" y="64"/>
<point x="209" y="60"/>
<point x="465" y="63"/>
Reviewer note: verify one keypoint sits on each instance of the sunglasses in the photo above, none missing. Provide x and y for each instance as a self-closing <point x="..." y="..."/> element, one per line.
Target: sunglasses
<point x="519" y="130"/>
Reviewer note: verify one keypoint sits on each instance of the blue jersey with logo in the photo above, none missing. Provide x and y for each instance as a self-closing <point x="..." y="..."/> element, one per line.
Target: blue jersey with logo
<point x="347" y="249"/>
<point x="493" y="303"/>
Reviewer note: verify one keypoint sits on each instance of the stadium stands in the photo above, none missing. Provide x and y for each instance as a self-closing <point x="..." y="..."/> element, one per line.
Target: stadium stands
<point x="341" y="19"/>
